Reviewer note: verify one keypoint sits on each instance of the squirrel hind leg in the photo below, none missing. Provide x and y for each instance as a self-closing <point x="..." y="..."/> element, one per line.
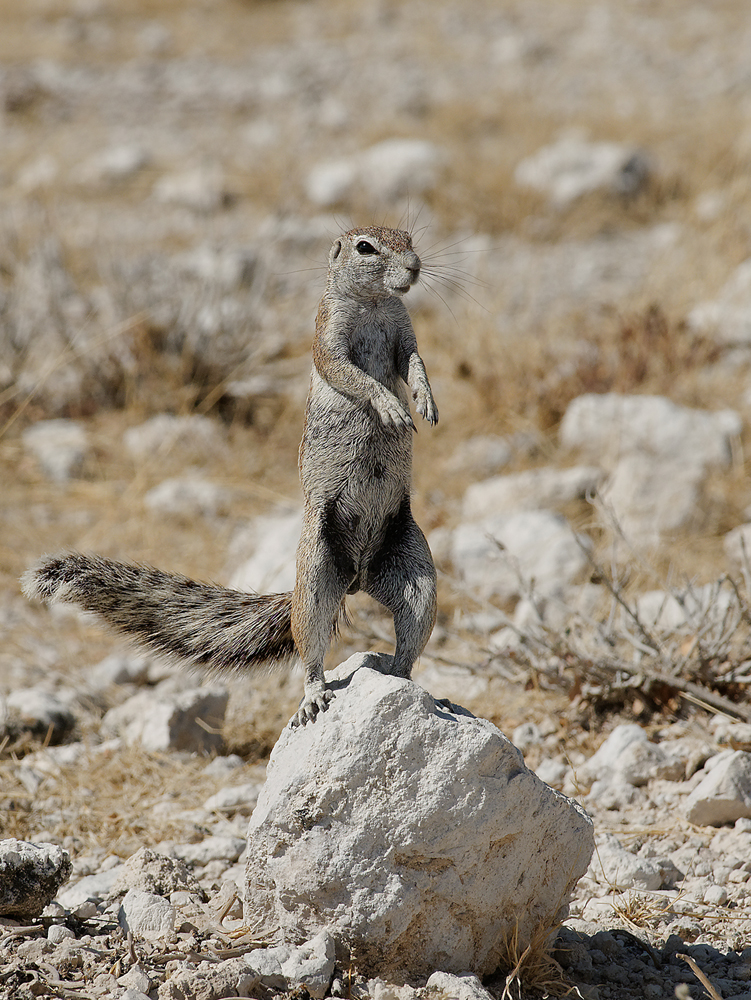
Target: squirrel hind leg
<point x="402" y="577"/>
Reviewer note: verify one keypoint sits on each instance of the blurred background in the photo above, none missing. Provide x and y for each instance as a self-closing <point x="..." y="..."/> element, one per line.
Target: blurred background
<point x="577" y="178"/>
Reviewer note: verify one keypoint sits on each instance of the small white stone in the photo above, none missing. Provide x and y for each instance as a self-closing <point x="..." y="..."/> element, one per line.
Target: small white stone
<point x="59" y="932"/>
<point x="465" y="987"/>
<point x="60" y="447"/>
<point x="147" y="915"/>
<point x="716" y="895"/>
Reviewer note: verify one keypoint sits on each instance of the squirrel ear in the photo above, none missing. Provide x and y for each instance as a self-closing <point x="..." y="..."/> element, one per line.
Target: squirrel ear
<point x="335" y="250"/>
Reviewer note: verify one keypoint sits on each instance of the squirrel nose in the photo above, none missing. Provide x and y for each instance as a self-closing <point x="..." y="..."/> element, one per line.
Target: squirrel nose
<point x="412" y="263"/>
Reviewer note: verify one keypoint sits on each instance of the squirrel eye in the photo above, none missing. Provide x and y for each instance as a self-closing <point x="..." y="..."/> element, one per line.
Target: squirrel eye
<point x="365" y="248"/>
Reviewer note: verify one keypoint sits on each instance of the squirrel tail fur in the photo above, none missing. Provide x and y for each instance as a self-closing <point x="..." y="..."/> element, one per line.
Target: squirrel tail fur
<point x="206" y="625"/>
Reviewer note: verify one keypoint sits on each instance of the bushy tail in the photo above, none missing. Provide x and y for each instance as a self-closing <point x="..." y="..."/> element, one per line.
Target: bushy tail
<point x="170" y="614"/>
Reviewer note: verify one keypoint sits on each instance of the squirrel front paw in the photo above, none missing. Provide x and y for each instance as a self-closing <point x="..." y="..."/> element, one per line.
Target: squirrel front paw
<point x="425" y="405"/>
<point x="314" y="701"/>
<point x="392" y="411"/>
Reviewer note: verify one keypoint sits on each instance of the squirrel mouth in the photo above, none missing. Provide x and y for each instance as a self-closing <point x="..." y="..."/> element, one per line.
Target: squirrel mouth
<point x="403" y="288"/>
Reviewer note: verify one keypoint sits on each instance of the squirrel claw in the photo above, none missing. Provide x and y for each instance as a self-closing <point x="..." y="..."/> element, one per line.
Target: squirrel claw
<point x="310" y="706"/>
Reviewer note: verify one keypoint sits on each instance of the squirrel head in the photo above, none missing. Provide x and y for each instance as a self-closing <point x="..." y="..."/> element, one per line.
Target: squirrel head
<point x="373" y="263"/>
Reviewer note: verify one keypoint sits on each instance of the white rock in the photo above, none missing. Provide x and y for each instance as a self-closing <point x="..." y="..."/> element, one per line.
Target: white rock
<point x="690" y="609"/>
<point x="146" y="915"/>
<point x="628" y="755"/>
<point x="539" y="543"/>
<point x="120" y="668"/>
<point x="481" y="455"/>
<point x="90" y="887"/>
<point x="59" y="932"/>
<point x="209" y="980"/>
<point x="217" y="848"/>
<point x="609" y="425"/>
<point x="161" y="434"/>
<point x="651" y="496"/>
<point x="169" y="720"/>
<point x="386" y="171"/>
<point x="724" y="795"/>
<point x="310" y="965"/>
<point x="716" y="895"/>
<point x="271" y="568"/>
<point x="60" y="447"/>
<point x="41" y="712"/>
<point x="114" y="164"/>
<point x="737" y="545"/>
<point x="234" y="799"/>
<point x="728" y="316"/>
<point x="135" y="979"/>
<point x="534" y="489"/>
<point x="155" y="873"/>
<point x="379" y="990"/>
<point x="187" y="496"/>
<point x="466" y="987"/>
<point x="572" y="167"/>
<point x="414" y="833"/>
<point x="30" y="875"/>
<point x="201" y="189"/>
<point x="619" y="869"/>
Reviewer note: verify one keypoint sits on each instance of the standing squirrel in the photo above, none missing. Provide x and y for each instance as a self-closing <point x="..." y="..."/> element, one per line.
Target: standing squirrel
<point x="355" y="469"/>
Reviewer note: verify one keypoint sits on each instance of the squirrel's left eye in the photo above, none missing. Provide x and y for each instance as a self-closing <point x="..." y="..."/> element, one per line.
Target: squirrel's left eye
<point x="365" y="248"/>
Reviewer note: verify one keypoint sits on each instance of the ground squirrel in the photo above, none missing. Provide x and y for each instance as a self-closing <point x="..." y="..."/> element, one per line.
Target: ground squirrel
<point x="355" y="469"/>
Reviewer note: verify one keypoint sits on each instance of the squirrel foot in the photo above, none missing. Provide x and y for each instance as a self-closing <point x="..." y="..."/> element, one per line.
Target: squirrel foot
<point x="314" y="701"/>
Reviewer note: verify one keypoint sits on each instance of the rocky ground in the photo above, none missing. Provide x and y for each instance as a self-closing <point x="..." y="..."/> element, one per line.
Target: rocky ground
<point x="578" y="180"/>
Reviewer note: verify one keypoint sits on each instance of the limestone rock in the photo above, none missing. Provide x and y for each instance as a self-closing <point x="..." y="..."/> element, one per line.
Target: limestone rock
<point x="234" y="799"/>
<point x="620" y="869"/>
<point x="41" y="712"/>
<point x="737" y="545"/>
<point x="60" y="447"/>
<point x="165" y="432"/>
<point x="628" y="755"/>
<point x="573" y="167"/>
<point x="724" y="794"/>
<point x="481" y="455"/>
<point x="30" y="875"/>
<point x="146" y="915"/>
<point x="209" y="981"/>
<point x="465" y="987"/>
<point x="273" y="543"/>
<point x="611" y="424"/>
<point x="155" y="873"/>
<point x="388" y="170"/>
<point x="728" y="316"/>
<point x="534" y="489"/>
<point x="187" y="496"/>
<point x="168" y="720"/>
<point x="412" y="831"/>
<point x="537" y="543"/>
<point x="90" y="887"/>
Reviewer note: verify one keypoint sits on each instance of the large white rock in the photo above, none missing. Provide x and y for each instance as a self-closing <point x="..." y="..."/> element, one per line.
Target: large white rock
<point x="535" y="544"/>
<point x="388" y="170"/>
<point x="169" y="720"/>
<point x="574" y="166"/>
<point x="60" y="447"/>
<point x="608" y="425"/>
<point x="147" y="915"/>
<point x="651" y="496"/>
<point x="728" y="316"/>
<point x="159" y="435"/>
<point x="532" y="489"/>
<point x="659" y="455"/>
<point x="411" y="830"/>
<point x="30" y="875"/>
<point x="273" y="542"/>
<point x="724" y="794"/>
